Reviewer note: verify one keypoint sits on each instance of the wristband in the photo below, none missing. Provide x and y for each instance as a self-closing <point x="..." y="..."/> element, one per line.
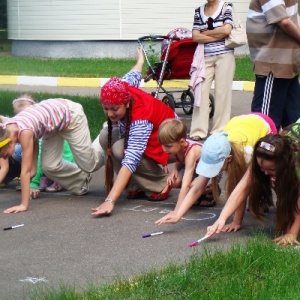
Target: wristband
<point x="110" y="201"/>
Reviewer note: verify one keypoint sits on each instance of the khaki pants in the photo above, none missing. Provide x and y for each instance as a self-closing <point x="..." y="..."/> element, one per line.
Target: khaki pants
<point x="149" y="175"/>
<point x="69" y="175"/>
<point x="219" y="68"/>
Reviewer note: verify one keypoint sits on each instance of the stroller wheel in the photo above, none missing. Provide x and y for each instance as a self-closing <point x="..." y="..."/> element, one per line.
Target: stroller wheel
<point x="211" y="106"/>
<point x="169" y="100"/>
<point x="187" y="101"/>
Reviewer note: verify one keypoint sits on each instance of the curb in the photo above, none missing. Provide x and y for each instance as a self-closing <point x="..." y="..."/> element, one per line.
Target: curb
<point x="247" y="86"/>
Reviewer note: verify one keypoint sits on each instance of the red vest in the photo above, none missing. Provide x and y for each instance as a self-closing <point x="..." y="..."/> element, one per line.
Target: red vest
<point x="146" y="107"/>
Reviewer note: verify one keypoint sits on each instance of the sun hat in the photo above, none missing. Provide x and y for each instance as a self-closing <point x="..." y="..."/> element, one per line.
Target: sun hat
<point x="114" y="92"/>
<point x="214" y="152"/>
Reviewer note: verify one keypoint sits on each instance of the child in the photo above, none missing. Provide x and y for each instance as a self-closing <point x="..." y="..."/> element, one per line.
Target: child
<point x="275" y="163"/>
<point x="172" y="134"/>
<point x="228" y="151"/>
<point x="55" y="120"/>
<point x="133" y="150"/>
<point x="40" y="182"/>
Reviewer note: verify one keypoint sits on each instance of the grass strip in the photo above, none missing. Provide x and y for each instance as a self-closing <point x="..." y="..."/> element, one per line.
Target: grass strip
<point x="90" y="68"/>
<point x="257" y="270"/>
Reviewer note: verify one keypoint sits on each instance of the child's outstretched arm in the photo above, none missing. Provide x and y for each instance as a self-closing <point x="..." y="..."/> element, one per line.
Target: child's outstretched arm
<point x="139" y="61"/>
<point x="290" y="238"/>
<point x="197" y="188"/>
<point x="4" y="168"/>
<point x="120" y="184"/>
<point x="190" y="165"/>
<point x="30" y="149"/>
<point x="236" y="200"/>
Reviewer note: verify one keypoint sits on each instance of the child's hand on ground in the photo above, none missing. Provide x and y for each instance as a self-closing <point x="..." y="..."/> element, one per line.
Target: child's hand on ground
<point x="287" y="239"/>
<point x="172" y="178"/>
<point x="216" y="227"/>
<point x="170" y="218"/>
<point x="34" y="193"/>
<point x="231" y="227"/>
<point x="103" y="210"/>
<point x="15" y="209"/>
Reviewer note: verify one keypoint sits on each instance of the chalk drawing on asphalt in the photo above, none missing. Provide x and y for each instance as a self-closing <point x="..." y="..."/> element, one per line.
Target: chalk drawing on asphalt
<point x="34" y="280"/>
<point x="191" y="216"/>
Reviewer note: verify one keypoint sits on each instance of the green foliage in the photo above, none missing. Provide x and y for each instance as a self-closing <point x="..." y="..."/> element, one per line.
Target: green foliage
<point x="152" y="54"/>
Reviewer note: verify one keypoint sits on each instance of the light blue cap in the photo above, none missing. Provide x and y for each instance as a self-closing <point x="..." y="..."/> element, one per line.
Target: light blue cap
<point x="214" y="152"/>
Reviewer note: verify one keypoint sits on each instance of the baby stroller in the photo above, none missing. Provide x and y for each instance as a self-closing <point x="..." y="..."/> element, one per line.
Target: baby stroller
<point x="177" y="51"/>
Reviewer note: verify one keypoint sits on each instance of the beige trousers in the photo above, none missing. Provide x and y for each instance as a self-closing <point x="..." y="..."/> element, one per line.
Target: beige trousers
<point x="149" y="175"/>
<point x="219" y="68"/>
<point x="88" y="159"/>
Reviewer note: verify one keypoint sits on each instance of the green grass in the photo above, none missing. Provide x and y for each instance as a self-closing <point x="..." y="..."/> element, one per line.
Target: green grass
<point x="257" y="270"/>
<point x="90" y="68"/>
<point x="91" y="106"/>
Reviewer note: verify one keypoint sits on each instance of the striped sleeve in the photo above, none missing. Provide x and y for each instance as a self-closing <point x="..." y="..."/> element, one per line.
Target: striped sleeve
<point x="133" y="78"/>
<point x="139" y="134"/>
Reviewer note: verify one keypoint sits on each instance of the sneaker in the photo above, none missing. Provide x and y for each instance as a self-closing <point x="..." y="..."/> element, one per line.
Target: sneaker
<point x="85" y="189"/>
<point x="44" y="183"/>
<point x="18" y="186"/>
<point x="53" y="188"/>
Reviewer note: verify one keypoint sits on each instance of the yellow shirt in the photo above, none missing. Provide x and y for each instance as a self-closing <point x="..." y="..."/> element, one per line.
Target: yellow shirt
<point x="246" y="129"/>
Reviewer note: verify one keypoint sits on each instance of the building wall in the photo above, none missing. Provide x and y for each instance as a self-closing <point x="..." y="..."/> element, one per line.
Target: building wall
<point x="94" y="28"/>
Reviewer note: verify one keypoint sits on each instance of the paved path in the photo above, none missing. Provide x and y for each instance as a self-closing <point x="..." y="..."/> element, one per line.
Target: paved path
<point x="62" y="244"/>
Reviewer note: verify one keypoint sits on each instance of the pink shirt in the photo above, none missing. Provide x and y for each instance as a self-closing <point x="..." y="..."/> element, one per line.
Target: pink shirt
<point x="44" y="118"/>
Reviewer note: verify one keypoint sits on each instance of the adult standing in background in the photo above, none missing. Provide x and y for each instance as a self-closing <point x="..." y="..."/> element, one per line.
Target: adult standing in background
<point x="273" y="31"/>
<point x="212" y="24"/>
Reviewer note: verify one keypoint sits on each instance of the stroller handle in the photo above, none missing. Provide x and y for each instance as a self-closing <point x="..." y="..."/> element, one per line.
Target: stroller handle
<point x="153" y="37"/>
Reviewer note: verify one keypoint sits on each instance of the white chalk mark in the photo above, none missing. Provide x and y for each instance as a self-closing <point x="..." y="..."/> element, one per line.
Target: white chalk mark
<point x="34" y="280"/>
<point x="191" y="216"/>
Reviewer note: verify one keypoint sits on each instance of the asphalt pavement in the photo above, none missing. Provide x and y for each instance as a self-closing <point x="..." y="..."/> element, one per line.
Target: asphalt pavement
<point x="60" y="243"/>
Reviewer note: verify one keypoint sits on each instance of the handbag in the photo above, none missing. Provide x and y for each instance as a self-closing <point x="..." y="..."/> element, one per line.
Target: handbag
<point x="237" y="37"/>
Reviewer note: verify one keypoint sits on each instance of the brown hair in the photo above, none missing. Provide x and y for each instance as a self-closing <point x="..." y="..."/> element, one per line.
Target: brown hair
<point x="261" y="195"/>
<point x="235" y="170"/>
<point x="171" y="130"/>
<point x="109" y="170"/>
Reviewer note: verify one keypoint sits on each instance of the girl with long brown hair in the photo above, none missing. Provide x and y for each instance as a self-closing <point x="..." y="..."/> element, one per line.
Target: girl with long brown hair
<point x="275" y="164"/>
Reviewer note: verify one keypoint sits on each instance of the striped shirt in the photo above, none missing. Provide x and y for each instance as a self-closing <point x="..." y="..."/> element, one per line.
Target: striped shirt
<point x="271" y="49"/>
<point x="44" y="118"/>
<point x="200" y="23"/>
<point x="139" y="131"/>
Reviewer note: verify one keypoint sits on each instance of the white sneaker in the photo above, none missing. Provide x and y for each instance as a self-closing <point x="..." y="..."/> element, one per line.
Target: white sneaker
<point x="85" y="189"/>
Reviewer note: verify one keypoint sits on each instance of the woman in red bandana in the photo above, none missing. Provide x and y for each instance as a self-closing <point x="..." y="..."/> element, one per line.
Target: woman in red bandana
<point x="130" y="140"/>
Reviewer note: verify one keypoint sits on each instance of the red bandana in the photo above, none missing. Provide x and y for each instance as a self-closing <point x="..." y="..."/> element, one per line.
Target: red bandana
<point x="114" y="92"/>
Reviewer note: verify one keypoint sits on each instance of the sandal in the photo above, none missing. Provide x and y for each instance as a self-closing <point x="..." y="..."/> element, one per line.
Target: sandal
<point x="208" y="198"/>
<point x="160" y="196"/>
<point x="195" y="138"/>
<point x="135" y="194"/>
